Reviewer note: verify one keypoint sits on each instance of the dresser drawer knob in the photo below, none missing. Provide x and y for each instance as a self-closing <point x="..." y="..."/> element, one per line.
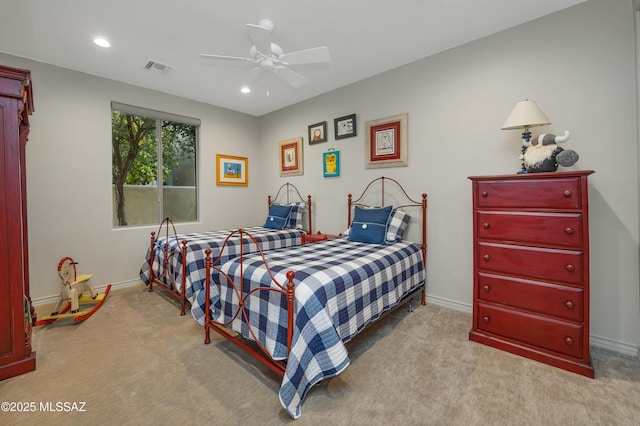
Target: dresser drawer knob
<point x="568" y="341"/>
<point x="486" y="225"/>
<point x="570" y="267"/>
<point x="486" y="288"/>
<point x="486" y="319"/>
<point x="484" y="194"/>
<point x="486" y="257"/>
<point x="569" y="304"/>
<point x="569" y="230"/>
<point x="567" y="193"/>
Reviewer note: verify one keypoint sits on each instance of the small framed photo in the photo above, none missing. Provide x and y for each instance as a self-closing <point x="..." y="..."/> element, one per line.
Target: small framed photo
<point x="386" y="142"/>
<point x="331" y="163"/>
<point x="318" y="133"/>
<point x="290" y="154"/>
<point x="232" y="170"/>
<point x="345" y="127"/>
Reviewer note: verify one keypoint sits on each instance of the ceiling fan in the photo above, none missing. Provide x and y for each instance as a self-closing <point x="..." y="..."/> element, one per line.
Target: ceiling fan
<point x="268" y="56"/>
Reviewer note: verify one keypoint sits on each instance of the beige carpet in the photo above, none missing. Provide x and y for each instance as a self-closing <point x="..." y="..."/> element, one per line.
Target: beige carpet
<point x="137" y="362"/>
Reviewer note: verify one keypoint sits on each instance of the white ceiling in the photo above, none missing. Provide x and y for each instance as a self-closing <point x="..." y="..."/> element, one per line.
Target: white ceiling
<point x="364" y="37"/>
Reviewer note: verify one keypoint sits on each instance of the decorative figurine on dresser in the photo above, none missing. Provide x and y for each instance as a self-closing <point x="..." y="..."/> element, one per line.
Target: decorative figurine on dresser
<point x="16" y="313"/>
<point x="542" y="153"/>
<point x="531" y="266"/>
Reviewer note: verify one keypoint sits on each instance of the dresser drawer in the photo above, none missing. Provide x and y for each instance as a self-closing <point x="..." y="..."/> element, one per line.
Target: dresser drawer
<point x="532" y="262"/>
<point x="557" y="229"/>
<point x="542" y="193"/>
<point x="555" y="300"/>
<point x="550" y="334"/>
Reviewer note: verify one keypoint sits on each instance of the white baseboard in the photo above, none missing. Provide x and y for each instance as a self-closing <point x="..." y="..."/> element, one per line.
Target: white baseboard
<point x="50" y="300"/>
<point x="596" y="341"/>
<point x="615" y="346"/>
<point x="448" y="303"/>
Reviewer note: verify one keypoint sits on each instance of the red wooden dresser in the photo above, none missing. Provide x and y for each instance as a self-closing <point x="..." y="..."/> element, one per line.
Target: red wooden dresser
<point x="531" y="267"/>
<point x="16" y="312"/>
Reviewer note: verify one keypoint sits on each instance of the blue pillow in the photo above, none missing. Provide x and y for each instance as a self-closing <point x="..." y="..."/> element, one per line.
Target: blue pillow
<point x="278" y="216"/>
<point x="370" y="225"/>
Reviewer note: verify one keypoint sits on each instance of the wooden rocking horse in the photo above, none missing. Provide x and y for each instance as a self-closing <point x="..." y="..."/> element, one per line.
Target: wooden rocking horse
<point x="76" y="290"/>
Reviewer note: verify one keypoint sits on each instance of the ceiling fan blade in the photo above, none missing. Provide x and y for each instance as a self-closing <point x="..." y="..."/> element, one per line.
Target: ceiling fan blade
<point x="260" y="37"/>
<point x="291" y="77"/>
<point x="308" y="56"/>
<point x="212" y="58"/>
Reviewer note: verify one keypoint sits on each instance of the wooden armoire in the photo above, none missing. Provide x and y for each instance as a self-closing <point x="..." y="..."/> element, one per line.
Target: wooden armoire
<point x="16" y="312"/>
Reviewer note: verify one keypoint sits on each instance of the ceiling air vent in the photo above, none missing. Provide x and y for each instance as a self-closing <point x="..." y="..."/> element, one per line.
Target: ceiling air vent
<point x="157" y="67"/>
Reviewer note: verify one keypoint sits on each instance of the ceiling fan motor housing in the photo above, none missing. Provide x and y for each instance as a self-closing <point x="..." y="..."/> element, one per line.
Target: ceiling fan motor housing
<point x="276" y="52"/>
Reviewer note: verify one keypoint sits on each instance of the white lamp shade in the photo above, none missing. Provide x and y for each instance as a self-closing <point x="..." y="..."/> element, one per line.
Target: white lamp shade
<point x="526" y="114"/>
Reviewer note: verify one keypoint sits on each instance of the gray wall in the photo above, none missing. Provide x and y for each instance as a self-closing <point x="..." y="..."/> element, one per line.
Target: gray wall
<point x="578" y="64"/>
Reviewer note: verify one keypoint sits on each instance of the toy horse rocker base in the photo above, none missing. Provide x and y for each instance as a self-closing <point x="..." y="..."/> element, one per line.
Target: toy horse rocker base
<point x="77" y="291"/>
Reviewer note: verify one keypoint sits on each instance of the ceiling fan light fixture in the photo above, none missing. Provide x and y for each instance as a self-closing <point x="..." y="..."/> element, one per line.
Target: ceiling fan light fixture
<point x="266" y="64"/>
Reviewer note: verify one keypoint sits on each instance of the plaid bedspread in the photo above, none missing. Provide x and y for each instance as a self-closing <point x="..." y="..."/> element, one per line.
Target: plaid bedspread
<point x="197" y="243"/>
<point x="341" y="287"/>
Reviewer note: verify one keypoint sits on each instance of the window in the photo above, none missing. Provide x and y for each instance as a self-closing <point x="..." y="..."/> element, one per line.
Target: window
<point x="153" y="166"/>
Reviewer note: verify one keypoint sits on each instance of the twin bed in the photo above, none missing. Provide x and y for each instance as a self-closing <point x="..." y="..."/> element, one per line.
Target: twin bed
<point x="175" y="262"/>
<point x="294" y="308"/>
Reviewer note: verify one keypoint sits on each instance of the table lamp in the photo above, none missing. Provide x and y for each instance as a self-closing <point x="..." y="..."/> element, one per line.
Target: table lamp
<point x="525" y="115"/>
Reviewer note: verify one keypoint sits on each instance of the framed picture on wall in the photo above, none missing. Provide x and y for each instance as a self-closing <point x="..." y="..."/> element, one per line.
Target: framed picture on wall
<point x="386" y="142"/>
<point x="290" y="154"/>
<point x="345" y="127"/>
<point x="232" y="170"/>
<point x="331" y="163"/>
<point x="318" y="132"/>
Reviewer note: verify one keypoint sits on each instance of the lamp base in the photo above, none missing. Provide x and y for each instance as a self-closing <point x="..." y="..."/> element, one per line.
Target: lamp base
<point x="526" y="138"/>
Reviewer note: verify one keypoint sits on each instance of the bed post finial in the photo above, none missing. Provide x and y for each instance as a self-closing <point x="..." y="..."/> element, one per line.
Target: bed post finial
<point x="349" y="210"/>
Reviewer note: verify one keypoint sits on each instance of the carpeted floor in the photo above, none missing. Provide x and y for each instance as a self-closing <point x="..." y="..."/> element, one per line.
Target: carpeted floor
<point x="137" y="362"/>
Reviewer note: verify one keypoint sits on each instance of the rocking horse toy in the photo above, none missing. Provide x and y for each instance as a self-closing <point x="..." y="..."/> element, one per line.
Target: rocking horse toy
<point x="77" y="290"/>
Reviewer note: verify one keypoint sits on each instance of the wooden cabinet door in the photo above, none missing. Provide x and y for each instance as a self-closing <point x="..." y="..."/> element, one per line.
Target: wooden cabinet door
<point x="11" y="250"/>
<point x="16" y="355"/>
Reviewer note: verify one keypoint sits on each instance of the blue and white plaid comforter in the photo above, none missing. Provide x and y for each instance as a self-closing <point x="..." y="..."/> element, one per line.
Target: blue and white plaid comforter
<point x="197" y="243"/>
<point x="341" y="286"/>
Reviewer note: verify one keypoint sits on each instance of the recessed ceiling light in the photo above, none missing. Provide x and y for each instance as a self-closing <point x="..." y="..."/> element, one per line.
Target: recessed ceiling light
<point x="245" y="89"/>
<point x="101" y="42"/>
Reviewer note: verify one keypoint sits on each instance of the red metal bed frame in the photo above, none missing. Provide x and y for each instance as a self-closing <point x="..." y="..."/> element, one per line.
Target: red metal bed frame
<point x="287" y="189"/>
<point x="411" y="203"/>
<point x="261" y="354"/>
